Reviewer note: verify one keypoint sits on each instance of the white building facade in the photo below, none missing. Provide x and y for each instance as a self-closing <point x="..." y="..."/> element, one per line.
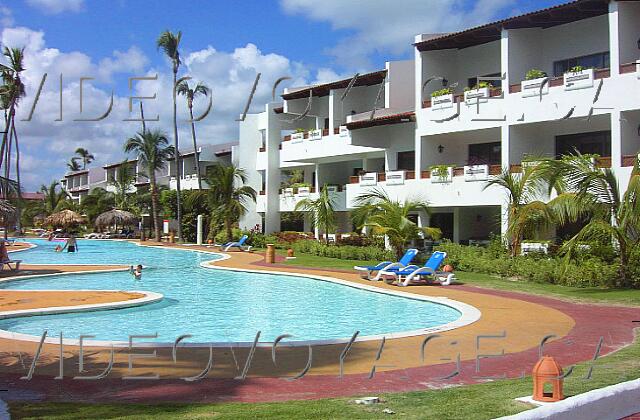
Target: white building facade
<point x="443" y="149"/>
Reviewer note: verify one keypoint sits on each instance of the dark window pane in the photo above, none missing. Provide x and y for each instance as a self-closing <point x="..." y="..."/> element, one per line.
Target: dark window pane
<point x="406" y="161"/>
<point x="597" y="142"/>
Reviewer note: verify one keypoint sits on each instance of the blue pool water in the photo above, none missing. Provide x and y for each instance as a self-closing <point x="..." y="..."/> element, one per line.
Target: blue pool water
<point x="214" y="305"/>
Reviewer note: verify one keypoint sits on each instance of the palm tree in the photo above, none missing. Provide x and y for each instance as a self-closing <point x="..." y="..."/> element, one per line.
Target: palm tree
<point x="97" y="202"/>
<point x="374" y="209"/>
<point x="53" y="198"/>
<point x="73" y="165"/>
<point x="227" y="195"/>
<point x="153" y="151"/>
<point x="526" y="213"/>
<point x="86" y="157"/>
<point x="11" y="92"/>
<point x="190" y="93"/>
<point x="169" y="43"/>
<point x="123" y="180"/>
<point x="320" y="211"/>
<point x="585" y="191"/>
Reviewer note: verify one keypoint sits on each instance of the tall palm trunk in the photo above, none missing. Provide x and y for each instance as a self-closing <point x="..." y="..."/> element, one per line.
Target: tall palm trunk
<point x="228" y="228"/>
<point x="195" y="144"/>
<point x="154" y="205"/>
<point x="19" y="205"/>
<point x="177" y="154"/>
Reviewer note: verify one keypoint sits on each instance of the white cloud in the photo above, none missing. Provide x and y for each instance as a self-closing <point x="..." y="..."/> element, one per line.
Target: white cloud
<point x="57" y="6"/>
<point x="46" y="144"/>
<point x="389" y="28"/>
<point x="6" y="16"/>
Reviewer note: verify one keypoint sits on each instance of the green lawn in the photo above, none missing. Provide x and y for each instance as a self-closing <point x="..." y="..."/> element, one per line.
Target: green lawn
<point x="483" y="401"/>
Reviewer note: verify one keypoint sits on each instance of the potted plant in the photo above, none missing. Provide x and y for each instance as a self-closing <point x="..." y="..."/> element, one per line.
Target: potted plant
<point x="298" y="135"/>
<point x="441" y="173"/>
<point x="533" y="81"/>
<point x="479" y="92"/>
<point x="578" y="77"/>
<point x="442" y="98"/>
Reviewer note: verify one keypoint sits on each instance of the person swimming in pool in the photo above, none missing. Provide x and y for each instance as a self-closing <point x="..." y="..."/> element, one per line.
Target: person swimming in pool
<point x="137" y="273"/>
<point x="71" y="245"/>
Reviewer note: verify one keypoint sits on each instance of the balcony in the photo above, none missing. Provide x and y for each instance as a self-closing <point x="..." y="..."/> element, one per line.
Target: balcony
<point x="290" y="197"/>
<point x="189" y="182"/>
<point x="297" y="137"/>
<point x="565" y="80"/>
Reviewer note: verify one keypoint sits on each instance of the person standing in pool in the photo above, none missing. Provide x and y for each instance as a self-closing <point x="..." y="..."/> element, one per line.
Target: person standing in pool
<point x="71" y="245"/>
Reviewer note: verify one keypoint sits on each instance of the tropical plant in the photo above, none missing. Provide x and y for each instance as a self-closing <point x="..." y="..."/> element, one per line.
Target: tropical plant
<point x="227" y="196"/>
<point x="526" y="212"/>
<point x="97" y="202"/>
<point x="73" y="165"/>
<point x="441" y="92"/>
<point x="576" y="69"/>
<point x="190" y="94"/>
<point x="320" y="211"/>
<point x="169" y="43"/>
<point x="11" y="91"/>
<point x="53" y="198"/>
<point x="587" y="192"/>
<point x="124" y="178"/>
<point x="384" y="216"/>
<point x="534" y="74"/>
<point x="86" y="157"/>
<point x="153" y="151"/>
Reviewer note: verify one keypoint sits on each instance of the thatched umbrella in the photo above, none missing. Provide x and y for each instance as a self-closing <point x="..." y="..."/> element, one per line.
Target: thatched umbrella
<point x="64" y="218"/>
<point x="116" y="217"/>
<point x="7" y="210"/>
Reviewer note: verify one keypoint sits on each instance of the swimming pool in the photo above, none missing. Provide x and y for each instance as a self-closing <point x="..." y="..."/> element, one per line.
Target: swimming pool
<point x="215" y="305"/>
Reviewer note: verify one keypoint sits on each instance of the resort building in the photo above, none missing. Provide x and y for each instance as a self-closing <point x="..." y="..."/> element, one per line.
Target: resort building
<point x="80" y="183"/>
<point x="541" y="84"/>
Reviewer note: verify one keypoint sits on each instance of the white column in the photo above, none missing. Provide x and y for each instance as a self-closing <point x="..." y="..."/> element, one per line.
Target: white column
<point x="505" y="146"/>
<point x="504" y="60"/>
<point x="391" y="160"/>
<point x="614" y="39"/>
<point x="418" y="155"/>
<point x="616" y="139"/>
<point x="504" y="221"/>
<point x="456" y="224"/>
<point x="199" y="230"/>
<point x="317" y="184"/>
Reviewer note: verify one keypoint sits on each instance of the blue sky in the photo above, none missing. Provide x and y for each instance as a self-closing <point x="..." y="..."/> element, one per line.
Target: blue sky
<point x="224" y="44"/>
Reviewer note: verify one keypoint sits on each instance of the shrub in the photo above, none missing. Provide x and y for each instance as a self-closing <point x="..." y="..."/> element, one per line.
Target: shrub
<point x="355" y="239"/>
<point x="285" y="239"/>
<point x="479" y="85"/>
<point x="345" y="252"/>
<point x="441" y="92"/>
<point x="588" y="271"/>
<point x="534" y="74"/>
<point x="576" y="69"/>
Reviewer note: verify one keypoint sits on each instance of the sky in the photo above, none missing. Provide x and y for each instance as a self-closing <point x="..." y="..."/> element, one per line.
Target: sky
<point x="224" y="44"/>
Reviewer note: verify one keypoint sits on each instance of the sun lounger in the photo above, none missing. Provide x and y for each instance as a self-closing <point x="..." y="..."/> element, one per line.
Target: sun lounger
<point x="429" y="270"/>
<point x="16" y="264"/>
<point x="239" y="244"/>
<point x="408" y="256"/>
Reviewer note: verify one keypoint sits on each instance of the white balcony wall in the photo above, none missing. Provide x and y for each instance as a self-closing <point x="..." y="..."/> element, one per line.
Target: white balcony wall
<point x="359" y="99"/>
<point x="289" y="202"/>
<point x="399" y="91"/>
<point x="455" y="147"/>
<point x="456" y="193"/>
<point x="329" y="146"/>
<point x="337" y="173"/>
<point x="540" y="48"/>
<point x="319" y="108"/>
<point x="628" y="18"/>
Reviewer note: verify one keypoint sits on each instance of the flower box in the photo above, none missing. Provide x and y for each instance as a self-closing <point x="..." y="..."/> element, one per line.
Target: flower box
<point x="531" y="87"/>
<point x="287" y="192"/>
<point x="395" y="177"/>
<point x="578" y="80"/>
<point x="442" y="101"/>
<point x="473" y="96"/>
<point x="332" y="188"/>
<point x="476" y="173"/>
<point x="440" y="178"/>
<point x="343" y="131"/>
<point x="315" y="134"/>
<point x="297" y="137"/>
<point x="369" y="179"/>
<point x="304" y="191"/>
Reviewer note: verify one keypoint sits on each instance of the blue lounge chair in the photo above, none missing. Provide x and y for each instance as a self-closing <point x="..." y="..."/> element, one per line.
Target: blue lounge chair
<point x="240" y="244"/>
<point x="404" y="261"/>
<point x="430" y="269"/>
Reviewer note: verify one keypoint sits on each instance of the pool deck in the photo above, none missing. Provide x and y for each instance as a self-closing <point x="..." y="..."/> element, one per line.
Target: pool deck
<point x="516" y="323"/>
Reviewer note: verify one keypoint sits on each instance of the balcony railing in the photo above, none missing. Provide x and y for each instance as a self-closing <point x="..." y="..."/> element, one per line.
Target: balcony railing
<point x="457" y="171"/>
<point x="458" y="98"/>
<point x="601" y="162"/>
<point x="559" y="81"/>
<point x="325" y="133"/>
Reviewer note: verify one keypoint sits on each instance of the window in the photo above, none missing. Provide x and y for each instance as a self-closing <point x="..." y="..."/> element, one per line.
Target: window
<point x="596" y="142"/>
<point x="406" y="161"/>
<point x="472" y="81"/>
<point x="596" y="61"/>
<point x="485" y="153"/>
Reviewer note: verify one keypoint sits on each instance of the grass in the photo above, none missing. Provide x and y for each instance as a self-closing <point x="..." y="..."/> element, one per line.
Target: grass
<point x="481" y="401"/>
